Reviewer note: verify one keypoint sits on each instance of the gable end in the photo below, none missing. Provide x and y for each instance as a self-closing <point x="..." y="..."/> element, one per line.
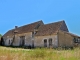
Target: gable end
<point x="64" y="27"/>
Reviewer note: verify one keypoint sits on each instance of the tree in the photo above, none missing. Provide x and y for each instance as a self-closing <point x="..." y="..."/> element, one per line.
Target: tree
<point x="1" y="40"/>
<point x="0" y="35"/>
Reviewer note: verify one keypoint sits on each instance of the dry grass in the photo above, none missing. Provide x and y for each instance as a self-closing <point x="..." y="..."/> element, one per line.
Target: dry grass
<point x="7" y="53"/>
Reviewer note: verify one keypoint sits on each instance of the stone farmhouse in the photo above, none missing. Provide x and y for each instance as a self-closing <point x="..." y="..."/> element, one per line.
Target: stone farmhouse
<point x="38" y="34"/>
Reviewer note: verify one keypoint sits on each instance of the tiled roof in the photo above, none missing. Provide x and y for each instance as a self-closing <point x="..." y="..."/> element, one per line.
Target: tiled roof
<point x="49" y="29"/>
<point x="74" y="35"/>
<point x="42" y="29"/>
<point x="24" y="29"/>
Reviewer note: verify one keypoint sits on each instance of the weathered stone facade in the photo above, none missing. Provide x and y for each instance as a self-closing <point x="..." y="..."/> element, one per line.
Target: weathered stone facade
<point x="67" y="39"/>
<point x="39" y="41"/>
<point x="40" y="35"/>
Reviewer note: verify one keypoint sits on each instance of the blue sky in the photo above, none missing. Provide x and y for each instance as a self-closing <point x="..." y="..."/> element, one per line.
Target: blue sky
<point x="21" y="12"/>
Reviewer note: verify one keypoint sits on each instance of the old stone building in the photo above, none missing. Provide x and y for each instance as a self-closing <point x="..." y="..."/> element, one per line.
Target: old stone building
<point x="38" y="34"/>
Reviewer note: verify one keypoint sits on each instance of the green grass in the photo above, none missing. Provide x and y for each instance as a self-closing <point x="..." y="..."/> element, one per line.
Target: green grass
<point x="7" y="53"/>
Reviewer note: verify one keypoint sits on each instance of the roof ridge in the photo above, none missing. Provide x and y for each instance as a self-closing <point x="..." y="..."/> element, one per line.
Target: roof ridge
<point x="30" y="23"/>
<point x="25" y="25"/>
<point x="55" y="22"/>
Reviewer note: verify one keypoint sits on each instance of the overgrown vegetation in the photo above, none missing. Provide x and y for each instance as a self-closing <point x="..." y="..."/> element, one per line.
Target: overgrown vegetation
<point x="7" y="53"/>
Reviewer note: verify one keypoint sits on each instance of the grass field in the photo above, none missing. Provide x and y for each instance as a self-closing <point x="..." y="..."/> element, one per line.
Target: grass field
<point x="7" y="53"/>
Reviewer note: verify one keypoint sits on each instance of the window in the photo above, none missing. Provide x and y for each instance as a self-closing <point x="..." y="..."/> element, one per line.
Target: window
<point x="76" y="40"/>
<point x="50" y="42"/>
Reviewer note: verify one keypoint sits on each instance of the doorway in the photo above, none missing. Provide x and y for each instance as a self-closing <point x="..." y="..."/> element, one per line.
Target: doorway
<point x="22" y="40"/>
<point x="45" y="42"/>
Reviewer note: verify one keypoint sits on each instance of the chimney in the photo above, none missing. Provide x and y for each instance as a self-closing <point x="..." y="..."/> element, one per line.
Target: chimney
<point x="16" y="27"/>
<point x="15" y="31"/>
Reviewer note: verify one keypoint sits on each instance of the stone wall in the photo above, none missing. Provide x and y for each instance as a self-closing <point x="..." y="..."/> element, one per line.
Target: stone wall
<point x="7" y="40"/>
<point x="27" y="41"/>
<point x="65" y="39"/>
<point x="16" y="42"/>
<point x="39" y="41"/>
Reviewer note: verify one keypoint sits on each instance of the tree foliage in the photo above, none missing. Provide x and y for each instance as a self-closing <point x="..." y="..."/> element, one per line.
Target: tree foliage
<point x="0" y="35"/>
